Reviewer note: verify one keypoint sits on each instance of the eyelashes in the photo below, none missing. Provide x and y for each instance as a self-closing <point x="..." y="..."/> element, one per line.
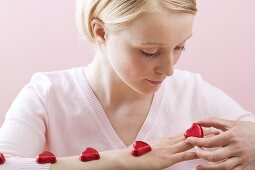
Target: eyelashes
<point x="181" y="48"/>
<point x="151" y="55"/>
<point x="156" y="54"/>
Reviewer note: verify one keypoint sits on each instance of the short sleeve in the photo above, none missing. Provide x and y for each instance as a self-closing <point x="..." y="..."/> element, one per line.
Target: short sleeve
<point x="23" y="133"/>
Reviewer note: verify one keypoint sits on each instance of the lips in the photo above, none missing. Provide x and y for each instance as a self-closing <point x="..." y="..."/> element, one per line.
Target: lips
<point x="154" y="81"/>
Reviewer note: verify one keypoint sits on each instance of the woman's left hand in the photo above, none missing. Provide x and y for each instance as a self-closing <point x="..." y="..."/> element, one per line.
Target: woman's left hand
<point x="236" y="142"/>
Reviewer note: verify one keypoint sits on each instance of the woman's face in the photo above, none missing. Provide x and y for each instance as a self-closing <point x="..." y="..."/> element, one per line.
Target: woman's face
<point x="144" y="53"/>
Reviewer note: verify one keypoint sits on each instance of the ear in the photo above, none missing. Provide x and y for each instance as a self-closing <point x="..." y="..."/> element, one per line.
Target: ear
<point x="98" y="30"/>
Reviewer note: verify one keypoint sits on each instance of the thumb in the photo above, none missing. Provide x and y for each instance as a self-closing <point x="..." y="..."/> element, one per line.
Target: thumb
<point x="222" y="124"/>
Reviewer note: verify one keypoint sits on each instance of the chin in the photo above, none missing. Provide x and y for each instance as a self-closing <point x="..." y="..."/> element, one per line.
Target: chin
<point x="147" y="90"/>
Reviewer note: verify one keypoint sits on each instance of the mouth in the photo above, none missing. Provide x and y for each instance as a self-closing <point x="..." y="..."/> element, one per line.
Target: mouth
<point x="155" y="82"/>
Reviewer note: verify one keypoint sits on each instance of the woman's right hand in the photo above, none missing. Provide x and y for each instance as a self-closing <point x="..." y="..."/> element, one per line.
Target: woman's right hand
<point x="165" y="152"/>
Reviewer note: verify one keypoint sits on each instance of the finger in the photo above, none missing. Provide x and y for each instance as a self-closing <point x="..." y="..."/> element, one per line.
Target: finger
<point x="210" y="132"/>
<point x="214" y="156"/>
<point x="181" y="147"/>
<point x="174" y="139"/>
<point x="183" y="156"/>
<point x="180" y="137"/>
<point x="208" y="136"/>
<point x="210" y="142"/>
<point x="230" y="163"/>
<point x="177" y="138"/>
<point x="217" y="123"/>
<point x="238" y="167"/>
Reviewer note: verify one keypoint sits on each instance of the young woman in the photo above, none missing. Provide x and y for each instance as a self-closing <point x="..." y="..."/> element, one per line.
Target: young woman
<point x="129" y="92"/>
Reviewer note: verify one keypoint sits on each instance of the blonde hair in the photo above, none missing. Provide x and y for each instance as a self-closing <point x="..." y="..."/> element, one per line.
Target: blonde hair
<point x="116" y="13"/>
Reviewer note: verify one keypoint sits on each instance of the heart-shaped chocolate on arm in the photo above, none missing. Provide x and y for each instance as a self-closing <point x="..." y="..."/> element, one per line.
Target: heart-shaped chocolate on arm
<point x="2" y="158"/>
<point x="46" y="157"/>
<point x="195" y="131"/>
<point x="140" y="148"/>
<point x="89" y="154"/>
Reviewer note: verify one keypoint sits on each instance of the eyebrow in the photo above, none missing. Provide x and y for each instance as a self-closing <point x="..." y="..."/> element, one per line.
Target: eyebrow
<point x="160" y="44"/>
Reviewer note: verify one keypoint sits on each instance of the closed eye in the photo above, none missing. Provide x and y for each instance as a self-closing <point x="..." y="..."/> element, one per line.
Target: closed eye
<point x="151" y="55"/>
<point x="157" y="54"/>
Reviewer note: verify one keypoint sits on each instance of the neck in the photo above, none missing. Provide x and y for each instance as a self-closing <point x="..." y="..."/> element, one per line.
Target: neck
<point x="107" y="86"/>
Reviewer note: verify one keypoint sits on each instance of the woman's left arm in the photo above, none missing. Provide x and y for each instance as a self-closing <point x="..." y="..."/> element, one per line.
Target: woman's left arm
<point x="236" y="145"/>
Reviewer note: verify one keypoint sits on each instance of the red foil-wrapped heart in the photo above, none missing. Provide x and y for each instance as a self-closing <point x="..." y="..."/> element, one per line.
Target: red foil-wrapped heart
<point x="46" y="157"/>
<point x="140" y="148"/>
<point x="195" y="131"/>
<point x="2" y="158"/>
<point x="89" y="154"/>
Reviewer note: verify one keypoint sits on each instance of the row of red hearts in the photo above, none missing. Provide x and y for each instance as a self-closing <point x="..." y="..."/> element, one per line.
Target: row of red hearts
<point x="139" y="148"/>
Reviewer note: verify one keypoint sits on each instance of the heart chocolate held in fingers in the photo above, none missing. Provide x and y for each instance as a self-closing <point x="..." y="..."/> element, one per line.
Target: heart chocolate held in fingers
<point x="195" y="131"/>
<point x="140" y="148"/>
<point x="89" y="154"/>
<point x="2" y="158"/>
<point x="46" y="157"/>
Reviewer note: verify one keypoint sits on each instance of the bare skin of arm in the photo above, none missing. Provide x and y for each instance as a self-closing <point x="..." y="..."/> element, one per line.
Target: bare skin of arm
<point x="165" y="152"/>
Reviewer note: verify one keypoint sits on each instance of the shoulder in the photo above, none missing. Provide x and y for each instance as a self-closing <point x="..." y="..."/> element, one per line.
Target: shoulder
<point x="62" y="80"/>
<point x="54" y="77"/>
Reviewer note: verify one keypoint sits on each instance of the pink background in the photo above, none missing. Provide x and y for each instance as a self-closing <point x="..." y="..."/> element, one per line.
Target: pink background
<point x="41" y="35"/>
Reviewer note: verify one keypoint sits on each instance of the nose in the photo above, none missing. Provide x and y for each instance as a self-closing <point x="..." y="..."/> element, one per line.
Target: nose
<point x="166" y="65"/>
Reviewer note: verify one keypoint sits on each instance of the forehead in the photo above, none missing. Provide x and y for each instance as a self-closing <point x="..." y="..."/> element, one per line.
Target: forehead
<point x="166" y="27"/>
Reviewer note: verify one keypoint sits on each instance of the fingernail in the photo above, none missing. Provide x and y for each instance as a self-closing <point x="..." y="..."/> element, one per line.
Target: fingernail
<point x="198" y="149"/>
<point x="215" y="131"/>
<point x="189" y="139"/>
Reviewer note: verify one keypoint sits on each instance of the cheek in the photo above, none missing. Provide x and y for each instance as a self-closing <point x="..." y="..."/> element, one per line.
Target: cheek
<point x="127" y="60"/>
<point x="137" y="63"/>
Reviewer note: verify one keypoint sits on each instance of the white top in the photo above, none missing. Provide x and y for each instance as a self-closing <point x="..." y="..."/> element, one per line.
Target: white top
<point x="58" y="111"/>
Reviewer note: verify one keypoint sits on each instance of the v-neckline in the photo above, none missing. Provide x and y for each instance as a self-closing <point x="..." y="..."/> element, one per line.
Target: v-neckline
<point x="105" y="122"/>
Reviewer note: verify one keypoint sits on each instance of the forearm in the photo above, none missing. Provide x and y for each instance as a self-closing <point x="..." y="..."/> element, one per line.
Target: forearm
<point x="108" y="160"/>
